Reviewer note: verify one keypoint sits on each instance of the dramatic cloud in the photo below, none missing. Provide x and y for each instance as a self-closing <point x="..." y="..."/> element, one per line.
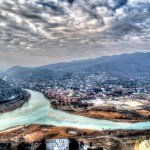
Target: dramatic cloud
<point x="37" y="32"/>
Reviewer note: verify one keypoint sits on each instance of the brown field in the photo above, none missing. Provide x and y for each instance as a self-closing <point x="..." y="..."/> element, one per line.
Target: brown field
<point x="111" y="140"/>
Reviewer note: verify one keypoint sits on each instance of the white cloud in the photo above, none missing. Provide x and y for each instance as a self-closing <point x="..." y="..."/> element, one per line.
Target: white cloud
<point x="61" y="31"/>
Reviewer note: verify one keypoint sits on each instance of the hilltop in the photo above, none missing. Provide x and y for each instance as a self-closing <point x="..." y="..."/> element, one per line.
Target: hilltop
<point x="130" y="66"/>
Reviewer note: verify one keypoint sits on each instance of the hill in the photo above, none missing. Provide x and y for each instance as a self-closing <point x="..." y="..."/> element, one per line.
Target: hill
<point x="3" y="84"/>
<point x="132" y="66"/>
<point x="8" y="93"/>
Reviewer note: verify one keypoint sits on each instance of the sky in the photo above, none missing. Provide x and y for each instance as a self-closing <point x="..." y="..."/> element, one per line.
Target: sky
<point x="40" y="32"/>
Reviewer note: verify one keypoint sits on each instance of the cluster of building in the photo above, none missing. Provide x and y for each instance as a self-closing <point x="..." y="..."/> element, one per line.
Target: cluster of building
<point x="71" y="91"/>
<point x="70" y="98"/>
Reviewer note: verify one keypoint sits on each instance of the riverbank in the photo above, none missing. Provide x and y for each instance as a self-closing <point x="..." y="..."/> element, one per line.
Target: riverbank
<point x="35" y="135"/>
<point x="108" y="113"/>
<point x="38" y="111"/>
<point x="125" y="109"/>
<point x="8" y="107"/>
<point x="114" y="116"/>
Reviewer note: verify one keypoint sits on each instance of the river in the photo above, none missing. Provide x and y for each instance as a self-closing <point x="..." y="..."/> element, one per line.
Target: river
<point x="37" y="111"/>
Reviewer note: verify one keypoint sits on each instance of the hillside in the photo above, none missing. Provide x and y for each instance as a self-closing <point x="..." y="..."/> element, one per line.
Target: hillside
<point x="3" y="84"/>
<point x="133" y="66"/>
<point x="8" y="93"/>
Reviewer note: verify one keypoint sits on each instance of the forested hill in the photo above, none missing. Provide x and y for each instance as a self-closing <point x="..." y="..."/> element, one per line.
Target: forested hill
<point x="133" y="66"/>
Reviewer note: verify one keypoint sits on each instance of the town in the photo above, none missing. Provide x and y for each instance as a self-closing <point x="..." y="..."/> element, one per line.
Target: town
<point x="95" y="95"/>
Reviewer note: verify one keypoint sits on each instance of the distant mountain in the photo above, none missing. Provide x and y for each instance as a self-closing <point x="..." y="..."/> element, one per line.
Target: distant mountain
<point x="135" y="66"/>
<point x="29" y="72"/>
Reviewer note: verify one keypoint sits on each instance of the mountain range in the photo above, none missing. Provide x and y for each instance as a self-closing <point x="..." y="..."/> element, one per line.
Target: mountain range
<point x="133" y="66"/>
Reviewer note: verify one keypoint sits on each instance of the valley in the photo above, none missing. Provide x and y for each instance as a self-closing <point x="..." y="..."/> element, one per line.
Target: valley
<point x="104" y="87"/>
<point x="71" y="96"/>
<point x="74" y="74"/>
